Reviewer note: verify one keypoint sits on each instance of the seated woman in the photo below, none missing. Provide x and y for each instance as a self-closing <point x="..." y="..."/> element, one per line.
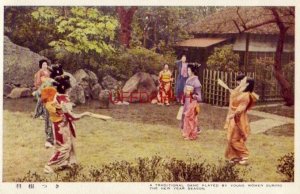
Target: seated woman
<point x="164" y="91"/>
<point x="191" y="108"/>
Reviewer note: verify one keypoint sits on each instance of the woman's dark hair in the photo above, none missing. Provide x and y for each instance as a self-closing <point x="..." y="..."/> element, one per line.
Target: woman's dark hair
<point x="250" y="82"/>
<point x="56" y="70"/>
<point x="193" y="68"/>
<point x="62" y="83"/>
<point x="239" y="77"/>
<point x="250" y="86"/>
<point x="41" y="63"/>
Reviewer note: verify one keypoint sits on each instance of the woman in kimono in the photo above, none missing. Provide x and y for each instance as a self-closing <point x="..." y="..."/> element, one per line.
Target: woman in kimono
<point x="60" y="111"/>
<point x="181" y="77"/>
<point x="191" y="108"/>
<point x="41" y="80"/>
<point x="242" y="99"/>
<point x="39" y="76"/>
<point x="164" y="91"/>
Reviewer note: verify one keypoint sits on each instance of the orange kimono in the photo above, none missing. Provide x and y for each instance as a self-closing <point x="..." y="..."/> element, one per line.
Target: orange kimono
<point x="164" y="93"/>
<point x="237" y="124"/>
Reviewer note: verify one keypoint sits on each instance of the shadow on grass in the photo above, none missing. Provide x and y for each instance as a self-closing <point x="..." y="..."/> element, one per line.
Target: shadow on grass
<point x="283" y="130"/>
<point x="209" y="118"/>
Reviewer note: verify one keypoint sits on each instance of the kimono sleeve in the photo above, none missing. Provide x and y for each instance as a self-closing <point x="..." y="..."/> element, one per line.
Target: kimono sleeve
<point x="241" y="109"/>
<point x="50" y="107"/>
<point x="198" y="94"/>
<point x="67" y="107"/>
<point x="244" y="102"/>
<point x="197" y="91"/>
<point x="37" y="79"/>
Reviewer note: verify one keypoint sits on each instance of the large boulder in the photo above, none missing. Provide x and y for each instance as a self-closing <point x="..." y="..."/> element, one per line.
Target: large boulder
<point x="76" y="94"/>
<point x="20" y="64"/>
<point x="19" y="93"/>
<point x="155" y="79"/>
<point x="141" y="87"/>
<point x="109" y="83"/>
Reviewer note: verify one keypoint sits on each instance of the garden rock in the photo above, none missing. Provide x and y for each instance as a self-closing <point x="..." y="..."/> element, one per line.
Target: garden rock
<point x="7" y="89"/>
<point x="141" y="87"/>
<point x="87" y="79"/>
<point x="104" y="99"/>
<point x="19" y="93"/>
<point x="108" y="82"/>
<point x="96" y="89"/>
<point x="93" y="79"/>
<point x="72" y="78"/>
<point x="155" y="79"/>
<point x="20" y="64"/>
<point x="76" y="94"/>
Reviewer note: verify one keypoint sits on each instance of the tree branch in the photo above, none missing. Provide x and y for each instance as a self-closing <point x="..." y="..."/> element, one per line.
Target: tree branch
<point x="246" y="28"/>
<point x="243" y="22"/>
<point x="237" y="26"/>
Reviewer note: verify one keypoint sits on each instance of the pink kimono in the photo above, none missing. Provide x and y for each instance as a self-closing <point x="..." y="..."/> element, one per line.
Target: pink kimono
<point x="191" y="109"/>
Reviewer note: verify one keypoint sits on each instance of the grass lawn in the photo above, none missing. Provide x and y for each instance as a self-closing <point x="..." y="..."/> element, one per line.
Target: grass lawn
<point x="137" y="130"/>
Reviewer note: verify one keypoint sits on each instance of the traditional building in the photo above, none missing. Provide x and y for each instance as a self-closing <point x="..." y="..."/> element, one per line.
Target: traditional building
<point x="226" y="27"/>
<point x="230" y="25"/>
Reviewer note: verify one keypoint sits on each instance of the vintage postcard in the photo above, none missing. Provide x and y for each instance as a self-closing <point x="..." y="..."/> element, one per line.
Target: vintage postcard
<point x="149" y="97"/>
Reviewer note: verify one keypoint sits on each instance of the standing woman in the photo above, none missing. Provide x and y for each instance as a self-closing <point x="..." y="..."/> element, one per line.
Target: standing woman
<point x="43" y="72"/>
<point x="191" y="108"/>
<point x="242" y="99"/>
<point x="39" y="76"/>
<point x="181" y="77"/>
<point x="41" y="80"/>
<point x="164" y="91"/>
<point x="60" y="111"/>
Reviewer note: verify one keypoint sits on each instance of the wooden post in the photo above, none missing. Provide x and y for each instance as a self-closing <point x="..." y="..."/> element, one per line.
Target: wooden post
<point x="210" y="87"/>
<point x="217" y="88"/>
<point x="214" y="88"/>
<point x="225" y="91"/>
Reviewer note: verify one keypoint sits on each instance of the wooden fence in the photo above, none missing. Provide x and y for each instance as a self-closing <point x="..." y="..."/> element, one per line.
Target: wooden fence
<point x="216" y="95"/>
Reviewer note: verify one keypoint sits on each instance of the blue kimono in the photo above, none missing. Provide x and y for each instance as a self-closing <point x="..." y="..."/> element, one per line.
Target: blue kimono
<point x="180" y="82"/>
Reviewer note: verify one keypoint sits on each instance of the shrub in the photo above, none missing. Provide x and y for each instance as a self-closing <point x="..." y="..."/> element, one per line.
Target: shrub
<point x="286" y="167"/>
<point x="133" y="60"/>
<point x="289" y="71"/>
<point x="154" y="169"/>
<point x="223" y="59"/>
<point x="265" y="74"/>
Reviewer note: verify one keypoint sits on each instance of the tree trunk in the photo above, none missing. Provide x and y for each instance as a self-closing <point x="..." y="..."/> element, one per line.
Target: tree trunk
<point x="246" y="52"/>
<point x="145" y="37"/>
<point x="155" y="34"/>
<point x="125" y="18"/>
<point x="286" y="89"/>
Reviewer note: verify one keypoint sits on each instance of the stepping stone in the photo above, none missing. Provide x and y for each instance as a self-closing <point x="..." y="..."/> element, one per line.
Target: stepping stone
<point x="263" y="125"/>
